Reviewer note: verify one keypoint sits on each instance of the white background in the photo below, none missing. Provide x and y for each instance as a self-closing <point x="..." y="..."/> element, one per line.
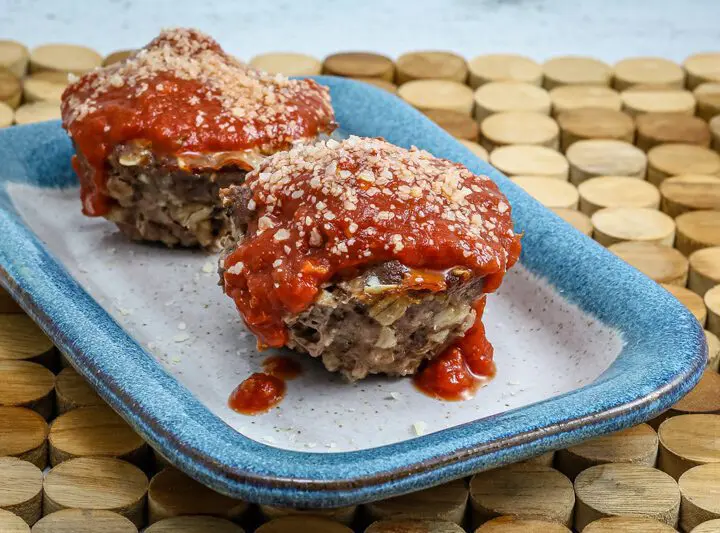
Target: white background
<point x="608" y="29"/>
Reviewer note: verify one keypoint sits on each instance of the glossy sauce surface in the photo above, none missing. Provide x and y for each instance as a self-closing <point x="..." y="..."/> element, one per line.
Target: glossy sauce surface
<point x="264" y="390"/>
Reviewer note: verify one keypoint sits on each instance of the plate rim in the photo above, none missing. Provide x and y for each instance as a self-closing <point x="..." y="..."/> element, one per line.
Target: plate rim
<point x="202" y="448"/>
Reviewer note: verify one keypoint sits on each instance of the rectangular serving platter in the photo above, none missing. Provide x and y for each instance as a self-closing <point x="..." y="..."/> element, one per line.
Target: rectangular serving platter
<point x="584" y="343"/>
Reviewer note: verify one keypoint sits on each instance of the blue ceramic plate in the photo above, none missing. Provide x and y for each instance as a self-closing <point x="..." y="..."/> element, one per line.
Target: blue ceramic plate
<point x="584" y="343"/>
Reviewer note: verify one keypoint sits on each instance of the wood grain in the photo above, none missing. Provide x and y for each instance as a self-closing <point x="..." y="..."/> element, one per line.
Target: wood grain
<point x="431" y="65"/>
<point x="623" y="489"/>
<point x="647" y="71"/>
<point x="604" y="157"/>
<point x="594" y="123"/>
<point x="510" y="524"/>
<point x="14" y="57"/>
<point x="617" y="191"/>
<point x="475" y="148"/>
<point x="302" y="524"/>
<point x="674" y="159"/>
<point x="575" y="70"/>
<point x="287" y="63"/>
<point x="503" y="67"/>
<point x="696" y="230"/>
<point x="690" y="192"/>
<point x="37" y="112"/>
<point x="12" y="523"/>
<point x="638" y="101"/>
<point x="519" y="127"/>
<point x="95" y="431"/>
<point x="637" y="445"/>
<point x="617" y="224"/>
<point x="580" y="221"/>
<point x="359" y="65"/>
<point x="27" y="384"/>
<point x="660" y="128"/>
<point x="661" y="264"/>
<point x="10" y="89"/>
<point x="45" y="86"/>
<point x="21" y="486"/>
<point x="714" y="126"/>
<point x="571" y="97"/>
<point x="99" y="483"/>
<point x="687" y="441"/>
<point x="712" y="526"/>
<point x="459" y="125"/>
<point x="414" y="526"/>
<point x="84" y="521"/>
<point x="551" y="192"/>
<point x="707" y="97"/>
<point x="437" y="94"/>
<point x="7" y="304"/>
<point x="628" y="524"/>
<point x="7" y="116"/>
<point x="702" y="68"/>
<point x="713" y="343"/>
<point x="445" y="502"/>
<point x="72" y="391"/>
<point x="530" y="160"/>
<point x="691" y="300"/>
<point x="172" y="493"/>
<point x="23" y="434"/>
<point x="502" y="96"/>
<point x="700" y="490"/>
<point x="116" y="57"/>
<point x="344" y="515"/>
<point x="194" y="524"/>
<point x="69" y="58"/>
<point x="524" y="491"/>
<point x="380" y="83"/>
<point x="712" y="303"/>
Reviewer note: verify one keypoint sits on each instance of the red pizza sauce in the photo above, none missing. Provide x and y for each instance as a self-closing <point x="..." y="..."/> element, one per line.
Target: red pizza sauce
<point x="461" y="369"/>
<point x="264" y="390"/>
<point x="324" y="210"/>
<point x="282" y="367"/>
<point x="183" y="94"/>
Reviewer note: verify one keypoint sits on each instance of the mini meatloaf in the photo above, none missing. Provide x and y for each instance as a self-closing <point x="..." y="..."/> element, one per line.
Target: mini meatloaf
<point x="158" y="134"/>
<point x="370" y="256"/>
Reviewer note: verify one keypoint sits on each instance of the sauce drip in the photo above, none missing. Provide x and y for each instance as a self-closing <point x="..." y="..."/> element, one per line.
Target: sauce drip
<point x="458" y="372"/>
<point x="264" y="390"/>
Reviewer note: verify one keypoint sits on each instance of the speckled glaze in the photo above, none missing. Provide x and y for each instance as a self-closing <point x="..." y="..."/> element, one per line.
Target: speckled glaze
<point x="662" y="358"/>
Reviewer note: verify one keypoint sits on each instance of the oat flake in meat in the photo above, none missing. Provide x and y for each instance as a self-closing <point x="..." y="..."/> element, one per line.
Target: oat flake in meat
<point x="160" y="133"/>
<point x="372" y="257"/>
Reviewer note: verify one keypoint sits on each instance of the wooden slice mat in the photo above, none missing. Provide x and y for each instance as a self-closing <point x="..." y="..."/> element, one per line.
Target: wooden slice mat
<point x="524" y="491"/>
<point x="690" y="192"/>
<point x="570" y="97"/>
<point x="431" y="65"/>
<point x="72" y="391"/>
<point x="26" y="384"/>
<point x="459" y="125"/>
<point x="344" y="515"/>
<point x="707" y="97"/>
<point x="674" y="159"/>
<point x="647" y="71"/>
<point x="45" y="86"/>
<point x="580" y="221"/>
<point x="700" y="490"/>
<point x="617" y="191"/>
<point x="359" y="65"/>
<point x="97" y="483"/>
<point x="64" y="58"/>
<point x="380" y="83"/>
<point x="696" y="230"/>
<point x="7" y="304"/>
<point x="437" y="94"/>
<point x="10" y="89"/>
<point x="604" y="157"/>
<point x="302" y="524"/>
<point x="510" y="524"/>
<point x="287" y="63"/>
<point x="714" y="126"/>
<point x="712" y="302"/>
<point x="638" y="445"/>
<point x="84" y="521"/>
<point x="501" y="96"/>
<point x="660" y="263"/>
<point x="628" y="524"/>
<point x="713" y="343"/>
<point x="23" y="434"/>
<point x="194" y="524"/>
<point x="703" y="399"/>
<point x="445" y="502"/>
<point x="20" y="338"/>
<point x="12" y="523"/>
<point x="575" y="70"/>
<point x="172" y="493"/>
<point x="623" y="489"/>
<point x="687" y="441"/>
<point x="530" y="160"/>
<point x="594" y="123"/>
<point x="503" y="67"/>
<point x="414" y="526"/>
<point x="711" y="526"/>
<point x="550" y="192"/>
<point x="21" y="486"/>
<point x="519" y="127"/>
<point x="117" y="56"/>
<point x="702" y="68"/>
<point x="37" y="112"/>
<point x="640" y="101"/>
<point x="7" y="116"/>
<point x="691" y="300"/>
<point x="14" y="57"/>
<point x="95" y="431"/>
<point x="475" y="148"/>
<point x="617" y="224"/>
<point x="660" y="128"/>
<point x="545" y="459"/>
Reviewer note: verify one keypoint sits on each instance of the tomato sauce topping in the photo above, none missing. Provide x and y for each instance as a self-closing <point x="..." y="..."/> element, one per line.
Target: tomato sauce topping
<point x="462" y="368"/>
<point x="184" y="95"/>
<point x="282" y="367"/>
<point x="257" y="394"/>
<point x="324" y="209"/>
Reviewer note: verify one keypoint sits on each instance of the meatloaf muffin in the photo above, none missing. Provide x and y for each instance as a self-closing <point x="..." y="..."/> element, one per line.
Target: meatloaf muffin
<point x="372" y="257"/>
<point x="158" y="134"/>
